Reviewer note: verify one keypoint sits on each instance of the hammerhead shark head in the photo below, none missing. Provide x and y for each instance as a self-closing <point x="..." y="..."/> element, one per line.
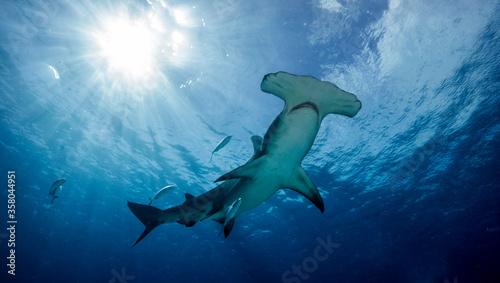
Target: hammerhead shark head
<point x="276" y="163"/>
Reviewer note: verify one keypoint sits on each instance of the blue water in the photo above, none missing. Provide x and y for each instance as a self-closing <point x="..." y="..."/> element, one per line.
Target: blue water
<point x="411" y="185"/>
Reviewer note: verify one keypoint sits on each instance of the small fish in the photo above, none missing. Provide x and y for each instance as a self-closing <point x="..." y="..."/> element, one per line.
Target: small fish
<point x="54" y="187"/>
<point x="220" y="145"/>
<point x="161" y="193"/>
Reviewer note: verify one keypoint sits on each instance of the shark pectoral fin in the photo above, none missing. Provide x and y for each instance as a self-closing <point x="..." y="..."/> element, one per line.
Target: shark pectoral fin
<point x="302" y="184"/>
<point x="188" y="196"/>
<point x="246" y="171"/>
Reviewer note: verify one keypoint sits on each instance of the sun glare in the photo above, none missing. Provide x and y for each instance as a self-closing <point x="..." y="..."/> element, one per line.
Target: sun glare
<point x="181" y="17"/>
<point x="137" y="48"/>
<point x="128" y="47"/>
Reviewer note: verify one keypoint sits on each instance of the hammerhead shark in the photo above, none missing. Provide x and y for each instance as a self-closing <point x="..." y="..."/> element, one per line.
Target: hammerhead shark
<point x="276" y="163"/>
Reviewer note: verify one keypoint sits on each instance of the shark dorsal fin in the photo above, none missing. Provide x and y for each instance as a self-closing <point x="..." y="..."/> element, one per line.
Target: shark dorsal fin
<point x="188" y="196"/>
<point x="302" y="184"/>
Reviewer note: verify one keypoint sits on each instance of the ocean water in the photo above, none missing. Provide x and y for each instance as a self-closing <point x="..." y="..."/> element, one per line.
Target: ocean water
<point x="122" y="98"/>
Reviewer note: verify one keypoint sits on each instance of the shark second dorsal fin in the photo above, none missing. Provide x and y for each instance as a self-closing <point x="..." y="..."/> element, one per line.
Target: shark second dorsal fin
<point x="188" y="196"/>
<point x="302" y="184"/>
<point x="246" y="171"/>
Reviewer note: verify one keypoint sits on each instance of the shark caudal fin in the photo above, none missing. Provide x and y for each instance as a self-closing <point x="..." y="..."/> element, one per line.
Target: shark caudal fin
<point x="297" y="90"/>
<point x="148" y="215"/>
<point x="53" y="198"/>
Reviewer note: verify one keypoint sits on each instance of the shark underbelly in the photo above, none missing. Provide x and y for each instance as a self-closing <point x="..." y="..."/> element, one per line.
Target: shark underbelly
<point x="287" y="142"/>
<point x="253" y="192"/>
<point x="290" y="137"/>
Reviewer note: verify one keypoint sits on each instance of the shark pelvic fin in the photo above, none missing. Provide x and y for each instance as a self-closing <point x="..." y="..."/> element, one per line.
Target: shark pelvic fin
<point x="188" y="223"/>
<point x="188" y="196"/>
<point x="229" y="226"/>
<point x="302" y="184"/>
<point x="246" y="171"/>
<point x="148" y="215"/>
<point x="231" y="217"/>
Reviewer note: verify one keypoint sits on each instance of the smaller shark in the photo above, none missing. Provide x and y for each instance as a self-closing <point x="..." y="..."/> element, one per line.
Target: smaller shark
<point x="276" y="163"/>
<point x="54" y="187"/>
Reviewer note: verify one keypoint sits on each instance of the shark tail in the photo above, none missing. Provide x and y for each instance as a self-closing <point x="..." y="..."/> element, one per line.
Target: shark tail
<point x="53" y="198"/>
<point x="148" y="215"/>
<point x="150" y="201"/>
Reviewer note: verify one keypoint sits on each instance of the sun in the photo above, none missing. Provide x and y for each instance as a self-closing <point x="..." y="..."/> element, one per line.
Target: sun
<point x="128" y="48"/>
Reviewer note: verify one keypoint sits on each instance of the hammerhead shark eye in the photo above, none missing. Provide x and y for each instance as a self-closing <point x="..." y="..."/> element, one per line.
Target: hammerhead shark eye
<point x="307" y="105"/>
